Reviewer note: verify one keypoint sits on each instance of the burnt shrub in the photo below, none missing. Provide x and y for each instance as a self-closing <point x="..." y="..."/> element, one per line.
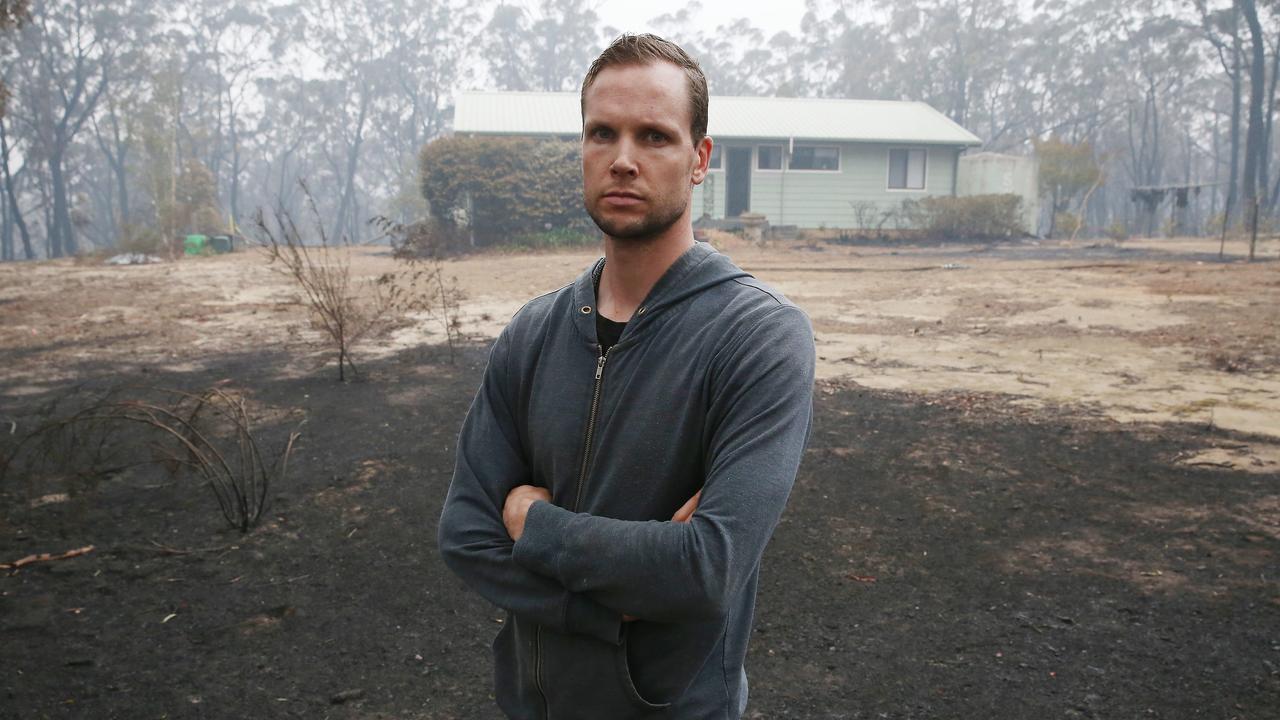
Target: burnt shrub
<point x="504" y="189"/>
<point x="975" y="217"/>
<point x="431" y="238"/>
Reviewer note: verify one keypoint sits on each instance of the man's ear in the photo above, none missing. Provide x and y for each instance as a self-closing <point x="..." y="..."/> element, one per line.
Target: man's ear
<point x="703" y="148"/>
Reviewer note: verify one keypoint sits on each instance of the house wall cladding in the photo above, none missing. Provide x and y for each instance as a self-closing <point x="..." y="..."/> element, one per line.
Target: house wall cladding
<point x="813" y="199"/>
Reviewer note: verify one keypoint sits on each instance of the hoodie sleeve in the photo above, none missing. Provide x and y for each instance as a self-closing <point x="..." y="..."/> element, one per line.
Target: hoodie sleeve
<point x="761" y="412"/>
<point x="472" y="538"/>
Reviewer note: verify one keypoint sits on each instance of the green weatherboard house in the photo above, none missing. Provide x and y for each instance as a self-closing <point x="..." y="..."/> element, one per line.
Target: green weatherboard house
<point x="798" y="161"/>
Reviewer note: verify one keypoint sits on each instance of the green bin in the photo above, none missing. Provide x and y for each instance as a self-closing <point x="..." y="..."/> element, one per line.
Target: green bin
<point x="194" y="244"/>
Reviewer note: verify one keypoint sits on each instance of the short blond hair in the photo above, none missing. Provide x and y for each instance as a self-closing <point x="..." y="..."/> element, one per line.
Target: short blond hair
<point x="645" y="49"/>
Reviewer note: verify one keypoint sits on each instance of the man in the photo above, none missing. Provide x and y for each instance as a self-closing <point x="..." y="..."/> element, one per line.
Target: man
<point x="636" y="434"/>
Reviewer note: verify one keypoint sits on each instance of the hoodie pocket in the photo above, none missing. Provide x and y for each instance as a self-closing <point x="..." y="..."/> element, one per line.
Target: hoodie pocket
<point x="628" y="684"/>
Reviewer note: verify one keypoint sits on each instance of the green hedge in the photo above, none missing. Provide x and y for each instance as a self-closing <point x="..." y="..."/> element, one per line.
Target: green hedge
<point x="975" y="217"/>
<point x="520" y="188"/>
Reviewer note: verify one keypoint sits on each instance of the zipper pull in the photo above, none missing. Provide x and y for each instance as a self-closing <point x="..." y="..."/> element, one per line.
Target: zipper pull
<point x="600" y="367"/>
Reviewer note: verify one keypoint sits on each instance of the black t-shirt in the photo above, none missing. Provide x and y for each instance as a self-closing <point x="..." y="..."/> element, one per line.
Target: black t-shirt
<point x="607" y="331"/>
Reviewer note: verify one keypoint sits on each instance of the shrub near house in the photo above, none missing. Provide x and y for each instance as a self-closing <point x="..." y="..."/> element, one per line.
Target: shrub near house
<point x="509" y="190"/>
<point x="976" y="217"/>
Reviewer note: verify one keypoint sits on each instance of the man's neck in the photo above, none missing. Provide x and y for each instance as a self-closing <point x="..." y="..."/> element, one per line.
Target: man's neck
<point x="632" y="268"/>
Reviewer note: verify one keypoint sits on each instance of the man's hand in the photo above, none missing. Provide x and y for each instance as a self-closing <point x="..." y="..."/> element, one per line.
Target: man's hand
<point x="517" y="505"/>
<point x="685" y="513"/>
<point x="682" y="516"/>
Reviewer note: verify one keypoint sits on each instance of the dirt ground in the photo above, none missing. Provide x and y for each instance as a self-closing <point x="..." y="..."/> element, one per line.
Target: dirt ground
<point x="1044" y="481"/>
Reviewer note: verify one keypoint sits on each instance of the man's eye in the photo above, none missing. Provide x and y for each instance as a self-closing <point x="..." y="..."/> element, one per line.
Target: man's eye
<point x="602" y="133"/>
<point x="656" y="137"/>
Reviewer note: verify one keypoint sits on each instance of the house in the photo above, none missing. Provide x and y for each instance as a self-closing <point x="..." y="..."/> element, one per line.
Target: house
<point x="799" y="161"/>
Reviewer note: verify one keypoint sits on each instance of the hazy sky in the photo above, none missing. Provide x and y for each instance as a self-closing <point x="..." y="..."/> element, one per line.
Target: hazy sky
<point x="771" y="16"/>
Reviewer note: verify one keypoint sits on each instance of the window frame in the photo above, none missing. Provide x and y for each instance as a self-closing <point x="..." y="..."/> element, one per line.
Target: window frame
<point x="716" y="148"/>
<point x="924" y="173"/>
<point x="782" y="157"/>
<point x="839" y="159"/>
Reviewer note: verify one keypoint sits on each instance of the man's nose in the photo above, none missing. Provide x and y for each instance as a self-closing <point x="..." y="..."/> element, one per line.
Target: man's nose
<point x="624" y="163"/>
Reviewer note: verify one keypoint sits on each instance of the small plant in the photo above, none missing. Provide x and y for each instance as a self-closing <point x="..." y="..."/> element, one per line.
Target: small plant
<point x="423" y="239"/>
<point x="346" y="313"/>
<point x="422" y="287"/>
<point x="871" y="218"/>
<point x="1066" y="223"/>
<point x="1118" y="231"/>
<point x="209" y="433"/>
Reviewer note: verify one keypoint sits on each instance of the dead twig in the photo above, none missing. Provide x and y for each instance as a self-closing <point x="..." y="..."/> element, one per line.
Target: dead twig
<point x="323" y="273"/>
<point x="423" y="287"/>
<point x="167" y="550"/>
<point x="46" y="557"/>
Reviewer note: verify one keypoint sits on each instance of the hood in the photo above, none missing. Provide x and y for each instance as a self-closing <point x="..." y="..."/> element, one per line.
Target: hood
<point x="699" y="268"/>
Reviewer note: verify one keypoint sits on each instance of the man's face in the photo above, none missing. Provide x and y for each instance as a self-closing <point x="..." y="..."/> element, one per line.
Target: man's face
<point x="639" y="163"/>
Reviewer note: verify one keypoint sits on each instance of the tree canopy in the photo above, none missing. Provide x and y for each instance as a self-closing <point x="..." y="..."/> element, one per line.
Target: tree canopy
<point x="112" y="102"/>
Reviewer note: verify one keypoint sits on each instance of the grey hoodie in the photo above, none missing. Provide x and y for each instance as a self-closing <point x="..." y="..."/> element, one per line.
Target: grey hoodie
<point x="710" y="387"/>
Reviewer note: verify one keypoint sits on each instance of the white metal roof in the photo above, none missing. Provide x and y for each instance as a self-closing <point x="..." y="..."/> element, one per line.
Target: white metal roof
<point x="536" y="113"/>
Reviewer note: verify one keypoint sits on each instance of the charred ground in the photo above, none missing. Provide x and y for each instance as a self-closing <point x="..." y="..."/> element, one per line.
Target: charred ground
<point x="943" y="555"/>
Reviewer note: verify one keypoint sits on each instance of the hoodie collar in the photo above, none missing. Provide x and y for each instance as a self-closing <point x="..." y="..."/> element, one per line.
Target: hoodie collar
<point x="697" y="269"/>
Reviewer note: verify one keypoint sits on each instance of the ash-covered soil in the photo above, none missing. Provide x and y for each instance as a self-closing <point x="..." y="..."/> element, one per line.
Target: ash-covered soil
<point x="1043" y="482"/>
<point x="946" y="556"/>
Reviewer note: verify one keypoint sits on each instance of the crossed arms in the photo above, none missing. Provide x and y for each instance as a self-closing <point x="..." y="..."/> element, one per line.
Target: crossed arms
<point x="579" y="573"/>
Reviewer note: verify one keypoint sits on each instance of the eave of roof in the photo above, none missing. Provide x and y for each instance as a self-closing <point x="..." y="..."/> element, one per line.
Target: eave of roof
<point x="820" y="119"/>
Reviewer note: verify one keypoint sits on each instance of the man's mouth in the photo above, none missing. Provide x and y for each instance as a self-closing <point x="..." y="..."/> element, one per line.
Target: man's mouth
<point x="622" y="198"/>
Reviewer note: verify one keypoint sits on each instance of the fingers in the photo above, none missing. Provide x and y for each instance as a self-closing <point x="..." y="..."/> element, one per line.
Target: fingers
<point x="516" y="507"/>
<point x="531" y="491"/>
<point x="686" y="510"/>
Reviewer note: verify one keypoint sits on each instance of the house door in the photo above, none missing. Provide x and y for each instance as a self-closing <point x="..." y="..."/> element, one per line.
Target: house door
<point x="738" y="187"/>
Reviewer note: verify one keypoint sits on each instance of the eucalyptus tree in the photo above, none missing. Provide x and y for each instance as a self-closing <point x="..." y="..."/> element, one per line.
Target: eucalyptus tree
<point x="418" y="70"/>
<point x="286" y="140"/>
<point x="12" y="14"/>
<point x="1221" y="28"/>
<point x="504" y="44"/>
<point x="548" y="48"/>
<point x="736" y="56"/>
<point x="114" y="124"/>
<point x="850" y="57"/>
<point x="230" y="45"/>
<point x="1255" y="160"/>
<point x="945" y="49"/>
<point x="564" y="37"/>
<point x="66" y="51"/>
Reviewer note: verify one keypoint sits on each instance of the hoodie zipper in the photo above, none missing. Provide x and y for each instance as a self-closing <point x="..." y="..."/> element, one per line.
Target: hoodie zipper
<point x="537" y="671"/>
<point x="591" y="427"/>
<point x="577" y="500"/>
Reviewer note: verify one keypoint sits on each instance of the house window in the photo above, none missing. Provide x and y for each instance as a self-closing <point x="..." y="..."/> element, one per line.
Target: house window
<point x="769" y="157"/>
<point x="906" y="169"/>
<point x="716" y="162"/>
<point x="815" y="157"/>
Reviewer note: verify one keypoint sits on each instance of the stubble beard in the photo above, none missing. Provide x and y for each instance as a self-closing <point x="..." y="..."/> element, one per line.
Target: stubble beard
<point x="643" y="229"/>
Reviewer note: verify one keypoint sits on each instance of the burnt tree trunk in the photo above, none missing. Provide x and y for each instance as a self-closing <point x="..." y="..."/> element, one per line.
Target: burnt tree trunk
<point x="1264" y="162"/>
<point x="1257" y="89"/>
<point x="353" y="162"/>
<point x="1233" y="175"/>
<point x="11" y="197"/>
<point x="61" y="240"/>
